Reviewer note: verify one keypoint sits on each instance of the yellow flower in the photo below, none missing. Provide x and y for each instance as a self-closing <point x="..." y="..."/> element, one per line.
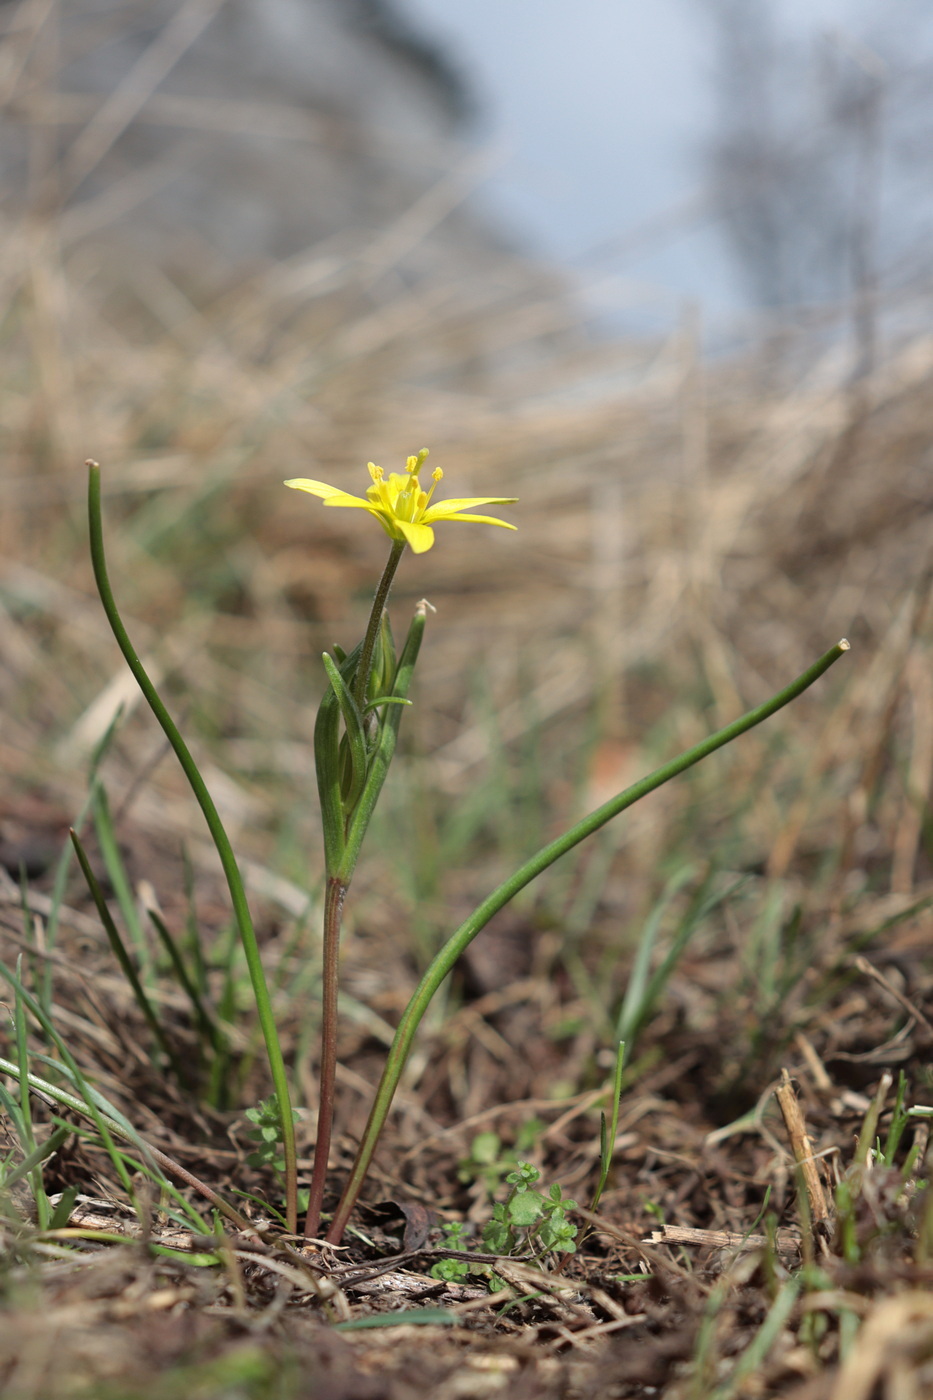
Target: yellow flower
<point x="403" y="510"/>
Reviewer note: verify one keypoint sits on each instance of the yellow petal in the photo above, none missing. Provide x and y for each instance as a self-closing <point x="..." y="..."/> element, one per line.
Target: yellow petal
<point x="315" y="488"/>
<point x="482" y="519"/>
<point x="420" y="537"/>
<point x="343" y="498"/>
<point x="458" y="503"/>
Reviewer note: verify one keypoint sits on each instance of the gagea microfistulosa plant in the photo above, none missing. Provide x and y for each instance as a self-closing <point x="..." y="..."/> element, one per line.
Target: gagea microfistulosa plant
<point x="367" y="689"/>
<point x="354" y="743"/>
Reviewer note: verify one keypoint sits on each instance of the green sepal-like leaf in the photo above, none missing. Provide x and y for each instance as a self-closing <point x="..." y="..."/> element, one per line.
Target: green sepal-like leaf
<point x="327" y="764"/>
<point x="354" y="775"/>
<point x="385" y="700"/>
<point x="381" y="756"/>
<point x="382" y="675"/>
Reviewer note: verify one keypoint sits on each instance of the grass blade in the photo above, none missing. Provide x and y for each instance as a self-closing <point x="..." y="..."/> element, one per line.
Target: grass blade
<point x="635" y="999"/>
<point x="608" y="1138"/>
<point x="39" y="1154"/>
<point x="116" y="873"/>
<point x="207" y="1027"/>
<point x="126" y="963"/>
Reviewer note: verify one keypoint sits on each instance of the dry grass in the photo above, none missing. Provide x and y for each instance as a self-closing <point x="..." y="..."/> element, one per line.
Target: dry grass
<point x="691" y="535"/>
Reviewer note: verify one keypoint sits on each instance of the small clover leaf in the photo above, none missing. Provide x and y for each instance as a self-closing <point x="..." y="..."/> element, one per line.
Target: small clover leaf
<point x="497" y="1236"/>
<point x="558" y="1233"/>
<point x="525" y="1209"/>
<point x="525" y="1175"/>
<point x="451" y="1270"/>
<point x="453" y="1232"/>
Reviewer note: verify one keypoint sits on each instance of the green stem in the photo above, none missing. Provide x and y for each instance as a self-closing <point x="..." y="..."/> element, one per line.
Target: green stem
<point x="218" y="835"/>
<point x="458" y="942"/>
<point x="343" y="835"/>
<point x="375" y="622"/>
<point x="333" y="913"/>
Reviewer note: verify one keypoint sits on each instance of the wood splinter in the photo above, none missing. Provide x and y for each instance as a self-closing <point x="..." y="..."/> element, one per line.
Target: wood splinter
<point x="803" y="1151"/>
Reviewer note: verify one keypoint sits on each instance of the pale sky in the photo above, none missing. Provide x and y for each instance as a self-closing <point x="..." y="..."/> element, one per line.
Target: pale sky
<point x="599" y="108"/>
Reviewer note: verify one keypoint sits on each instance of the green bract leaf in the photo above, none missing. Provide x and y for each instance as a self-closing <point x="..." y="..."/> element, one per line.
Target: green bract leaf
<point x="354" y="778"/>
<point x="384" y="700"/>
<point x="327" y="765"/>
<point x="384" y="661"/>
<point x="381" y="756"/>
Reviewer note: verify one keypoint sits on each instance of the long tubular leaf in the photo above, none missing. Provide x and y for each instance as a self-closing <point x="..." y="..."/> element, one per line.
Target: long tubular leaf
<point x="455" y="945"/>
<point x="221" y="842"/>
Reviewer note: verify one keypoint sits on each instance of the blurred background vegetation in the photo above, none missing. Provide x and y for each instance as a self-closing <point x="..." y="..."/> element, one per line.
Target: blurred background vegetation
<point x="238" y="247"/>
<point x="206" y="289"/>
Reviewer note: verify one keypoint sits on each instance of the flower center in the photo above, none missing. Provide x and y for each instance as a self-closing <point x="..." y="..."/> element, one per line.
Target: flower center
<point x="400" y="497"/>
